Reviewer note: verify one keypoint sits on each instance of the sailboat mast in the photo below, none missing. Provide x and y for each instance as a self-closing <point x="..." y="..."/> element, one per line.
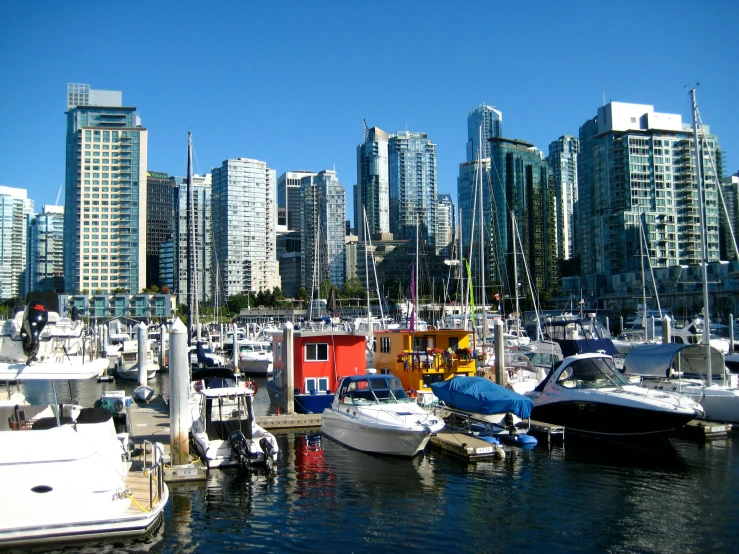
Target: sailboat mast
<point x="515" y="271"/>
<point x="643" y="277"/>
<point x="482" y="243"/>
<point x="704" y="254"/>
<point x="190" y="288"/>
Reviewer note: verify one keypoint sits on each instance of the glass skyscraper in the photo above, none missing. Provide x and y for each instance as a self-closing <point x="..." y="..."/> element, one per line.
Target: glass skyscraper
<point x="323" y="230"/>
<point x="562" y="161"/>
<point x="15" y="207"/>
<point x="491" y="121"/>
<point x="45" y="256"/>
<point x="373" y="186"/>
<point x="413" y="185"/>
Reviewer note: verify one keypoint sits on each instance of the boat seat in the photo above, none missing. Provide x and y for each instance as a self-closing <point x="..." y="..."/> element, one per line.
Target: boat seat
<point x="93" y="415"/>
<point x="220" y="430"/>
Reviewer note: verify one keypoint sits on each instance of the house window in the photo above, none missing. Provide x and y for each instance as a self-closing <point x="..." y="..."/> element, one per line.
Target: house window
<point x="316" y="352"/>
<point x="385" y="344"/>
<point x="316" y="383"/>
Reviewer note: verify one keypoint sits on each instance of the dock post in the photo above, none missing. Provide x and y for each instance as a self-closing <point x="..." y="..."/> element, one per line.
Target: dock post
<point x="179" y="372"/>
<point x="143" y="365"/>
<point x="666" y="330"/>
<point x="163" y="346"/>
<point x="731" y="333"/>
<point x="235" y="350"/>
<point x="288" y="353"/>
<point x="500" y="375"/>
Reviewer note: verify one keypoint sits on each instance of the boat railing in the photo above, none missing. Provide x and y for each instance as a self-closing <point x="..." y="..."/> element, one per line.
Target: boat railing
<point x="155" y="471"/>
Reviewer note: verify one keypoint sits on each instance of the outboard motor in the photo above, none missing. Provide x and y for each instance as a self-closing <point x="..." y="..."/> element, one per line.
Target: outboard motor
<point x="37" y="315"/>
<point x="268" y="450"/>
<point x="237" y="442"/>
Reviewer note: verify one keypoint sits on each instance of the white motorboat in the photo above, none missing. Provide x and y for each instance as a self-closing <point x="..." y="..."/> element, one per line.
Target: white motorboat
<point x="587" y="395"/>
<point x="226" y="432"/>
<point x="66" y="472"/>
<point x="255" y="357"/>
<point x="128" y="363"/>
<point x="372" y="413"/>
<point x="682" y="369"/>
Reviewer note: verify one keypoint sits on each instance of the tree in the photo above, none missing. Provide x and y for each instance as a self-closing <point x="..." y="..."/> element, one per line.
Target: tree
<point x="164" y="289"/>
<point x="353" y="289"/>
<point x="302" y="295"/>
<point x="237" y="302"/>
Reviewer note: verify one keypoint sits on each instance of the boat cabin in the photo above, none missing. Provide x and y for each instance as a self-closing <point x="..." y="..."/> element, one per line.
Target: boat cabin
<point x="424" y="357"/>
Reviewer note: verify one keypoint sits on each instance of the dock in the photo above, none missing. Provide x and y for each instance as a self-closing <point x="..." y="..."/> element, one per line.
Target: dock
<point x="466" y="446"/>
<point x="701" y="430"/>
<point x="150" y="422"/>
<point x="549" y="430"/>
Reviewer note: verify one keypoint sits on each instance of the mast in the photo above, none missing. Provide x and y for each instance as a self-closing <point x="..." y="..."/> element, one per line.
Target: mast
<point x="482" y="243"/>
<point x="704" y="254"/>
<point x="643" y="277"/>
<point x="190" y="287"/>
<point x="515" y="275"/>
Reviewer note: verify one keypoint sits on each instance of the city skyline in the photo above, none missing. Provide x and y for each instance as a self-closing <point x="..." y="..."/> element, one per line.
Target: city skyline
<point x="318" y="124"/>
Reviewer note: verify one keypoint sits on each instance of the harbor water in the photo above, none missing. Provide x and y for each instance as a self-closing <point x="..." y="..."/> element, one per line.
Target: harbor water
<point x="672" y="495"/>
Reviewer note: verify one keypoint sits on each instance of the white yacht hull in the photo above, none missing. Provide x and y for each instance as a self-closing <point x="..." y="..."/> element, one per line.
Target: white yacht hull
<point x="374" y="438"/>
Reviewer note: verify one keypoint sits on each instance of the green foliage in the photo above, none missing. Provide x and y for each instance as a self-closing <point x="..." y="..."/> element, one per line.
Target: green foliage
<point x="353" y="289"/>
<point x="237" y="302"/>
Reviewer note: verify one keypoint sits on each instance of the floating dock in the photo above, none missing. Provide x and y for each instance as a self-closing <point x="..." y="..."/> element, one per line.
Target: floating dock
<point x="150" y="423"/>
<point x="466" y="446"/>
<point x="701" y="430"/>
<point x="289" y="421"/>
<point x="548" y="430"/>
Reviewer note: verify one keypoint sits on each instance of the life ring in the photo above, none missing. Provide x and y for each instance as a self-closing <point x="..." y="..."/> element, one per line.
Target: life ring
<point x="250" y="384"/>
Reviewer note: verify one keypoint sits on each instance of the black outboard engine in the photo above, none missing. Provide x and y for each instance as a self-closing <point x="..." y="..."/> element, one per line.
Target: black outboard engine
<point x="37" y="315"/>
<point x="268" y="450"/>
<point x="237" y="442"/>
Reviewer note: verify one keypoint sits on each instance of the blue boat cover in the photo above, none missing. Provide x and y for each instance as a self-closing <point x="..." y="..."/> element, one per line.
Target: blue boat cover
<point x="664" y="360"/>
<point x="477" y="394"/>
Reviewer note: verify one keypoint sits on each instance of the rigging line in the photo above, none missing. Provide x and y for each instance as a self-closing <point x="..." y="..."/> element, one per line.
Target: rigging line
<point x="707" y="150"/>
<point x="651" y="269"/>
<point x="532" y="288"/>
<point x="494" y="166"/>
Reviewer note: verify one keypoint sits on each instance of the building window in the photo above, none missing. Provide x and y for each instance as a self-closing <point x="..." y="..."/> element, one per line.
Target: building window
<point x="385" y="344"/>
<point x="316" y="352"/>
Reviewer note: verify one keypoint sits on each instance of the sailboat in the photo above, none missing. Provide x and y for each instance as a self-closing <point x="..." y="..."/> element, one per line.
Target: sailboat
<point x="720" y="402"/>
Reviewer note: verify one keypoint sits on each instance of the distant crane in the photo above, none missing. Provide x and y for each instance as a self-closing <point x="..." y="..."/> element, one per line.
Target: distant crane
<point x="58" y="194"/>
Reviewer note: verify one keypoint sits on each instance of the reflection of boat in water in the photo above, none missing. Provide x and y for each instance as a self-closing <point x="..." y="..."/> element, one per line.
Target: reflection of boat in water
<point x="372" y="413"/>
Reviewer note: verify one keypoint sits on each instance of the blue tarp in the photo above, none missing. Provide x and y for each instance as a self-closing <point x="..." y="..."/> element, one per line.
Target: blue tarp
<point x="477" y="394"/>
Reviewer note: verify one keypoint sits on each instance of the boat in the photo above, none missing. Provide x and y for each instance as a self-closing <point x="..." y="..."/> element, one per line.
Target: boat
<point x="682" y="368"/>
<point x="144" y="393"/>
<point x="479" y="407"/>
<point x="226" y="433"/>
<point x="127" y="367"/>
<point x="587" y="395"/>
<point x="66" y="472"/>
<point x="202" y="355"/>
<point x="372" y="413"/>
<point x="255" y="357"/>
<point x="320" y="360"/>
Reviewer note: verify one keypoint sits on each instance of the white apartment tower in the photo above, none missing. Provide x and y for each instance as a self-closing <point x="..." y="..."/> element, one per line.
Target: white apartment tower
<point x="244" y="226"/>
<point x="105" y="196"/>
<point x="14" y="209"/>
<point x="562" y="161"/>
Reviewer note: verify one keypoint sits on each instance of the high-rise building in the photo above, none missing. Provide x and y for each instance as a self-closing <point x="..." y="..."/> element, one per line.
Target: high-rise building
<point x="158" y="220"/>
<point x="637" y="165"/>
<point x="244" y="222"/>
<point x="473" y="179"/>
<point x="83" y="95"/>
<point x="200" y="223"/>
<point x="288" y="196"/>
<point x="491" y="122"/>
<point x="445" y="212"/>
<point x="166" y="265"/>
<point x="730" y="190"/>
<point x="372" y="192"/>
<point x="15" y="208"/>
<point x="413" y="184"/>
<point x="562" y="161"/>
<point x="523" y="195"/>
<point x="45" y="255"/>
<point x="105" y="199"/>
<point x="323" y="230"/>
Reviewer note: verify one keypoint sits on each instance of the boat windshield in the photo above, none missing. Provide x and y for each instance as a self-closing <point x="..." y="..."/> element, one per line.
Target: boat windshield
<point x="386" y="389"/>
<point x="591" y="373"/>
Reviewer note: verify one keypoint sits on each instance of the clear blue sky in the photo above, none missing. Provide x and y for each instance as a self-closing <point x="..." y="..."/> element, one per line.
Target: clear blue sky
<point x="290" y="82"/>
